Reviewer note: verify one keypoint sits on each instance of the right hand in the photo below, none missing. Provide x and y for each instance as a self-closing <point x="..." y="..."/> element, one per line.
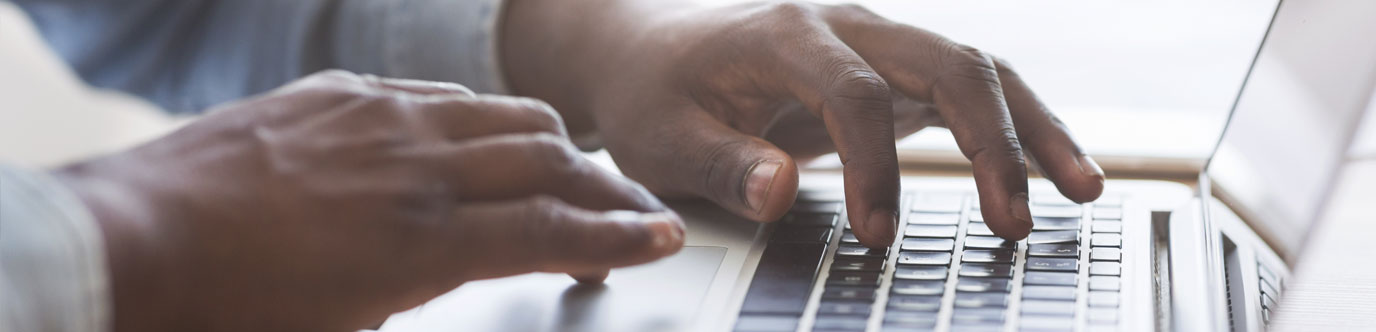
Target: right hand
<point x="338" y="200"/>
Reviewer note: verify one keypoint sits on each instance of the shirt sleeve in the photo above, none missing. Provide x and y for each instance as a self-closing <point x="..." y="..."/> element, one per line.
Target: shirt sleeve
<point x="187" y="55"/>
<point x="53" y="275"/>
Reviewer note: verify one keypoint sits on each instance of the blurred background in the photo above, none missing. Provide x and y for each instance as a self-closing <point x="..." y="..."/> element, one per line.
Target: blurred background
<point x="1132" y="79"/>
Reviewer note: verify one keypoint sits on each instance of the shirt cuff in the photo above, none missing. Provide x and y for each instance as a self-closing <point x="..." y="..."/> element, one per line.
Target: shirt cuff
<point x="437" y="40"/>
<point x="53" y="275"/>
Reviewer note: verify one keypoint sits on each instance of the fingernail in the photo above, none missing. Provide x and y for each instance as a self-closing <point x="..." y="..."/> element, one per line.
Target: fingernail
<point x="1090" y="168"/>
<point x="758" y="182"/>
<point x="1019" y="210"/>
<point x="883" y="224"/>
<point x="666" y="232"/>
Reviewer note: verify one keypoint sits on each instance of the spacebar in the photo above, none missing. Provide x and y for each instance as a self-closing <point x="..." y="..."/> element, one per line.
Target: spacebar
<point x="784" y="278"/>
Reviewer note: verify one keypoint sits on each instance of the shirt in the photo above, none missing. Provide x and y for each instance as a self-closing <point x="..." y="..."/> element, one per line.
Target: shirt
<point x="185" y="56"/>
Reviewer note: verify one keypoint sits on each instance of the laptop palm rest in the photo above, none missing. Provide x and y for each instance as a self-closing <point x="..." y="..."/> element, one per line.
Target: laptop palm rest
<point x="661" y="296"/>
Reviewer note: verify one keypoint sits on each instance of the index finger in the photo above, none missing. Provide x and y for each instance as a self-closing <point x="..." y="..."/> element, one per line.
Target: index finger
<point x="856" y="106"/>
<point x="964" y="85"/>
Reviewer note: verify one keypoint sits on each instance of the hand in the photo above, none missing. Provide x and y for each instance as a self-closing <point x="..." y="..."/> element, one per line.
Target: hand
<point x="720" y="102"/>
<point x="337" y="200"/>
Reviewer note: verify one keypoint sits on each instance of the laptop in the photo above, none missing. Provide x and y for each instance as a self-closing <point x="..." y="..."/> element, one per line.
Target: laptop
<point x="1147" y="256"/>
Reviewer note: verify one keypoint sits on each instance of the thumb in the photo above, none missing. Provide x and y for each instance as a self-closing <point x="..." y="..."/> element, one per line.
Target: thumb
<point x="699" y="156"/>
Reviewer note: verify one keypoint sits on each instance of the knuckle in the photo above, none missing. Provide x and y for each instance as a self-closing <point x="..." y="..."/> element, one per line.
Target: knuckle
<point x="966" y="62"/>
<point x="542" y="115"/>
<point x="556" y="153"/>
<point x="1005" y="148"/>
<point x="712" y="161"/>
<point x="789" y="10"/>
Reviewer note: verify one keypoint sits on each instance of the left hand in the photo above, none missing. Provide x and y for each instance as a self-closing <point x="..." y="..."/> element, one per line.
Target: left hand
<point x="720" y="102"/>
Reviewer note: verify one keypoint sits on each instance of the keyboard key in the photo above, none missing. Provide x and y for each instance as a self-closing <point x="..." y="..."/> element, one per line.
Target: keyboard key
<point x="977" y="216"/>
<point x="924" y="244"/>
<point x="1109" y="200"/>
<point x="1054" y="250"/>
<point x="816" y="207"/>
<point x="783" y="280"/>
<point x="980" y="300"/>
<point x="801" y="235"/>
<point x="866" y="264"/>
<point x="909" y="320"/>
<point x="1005" y="256"/>
<point x="978" y="228"/>
<point x="1108" y="226"/>
<point x="1055" y="224"/>
<point x="766" y="323"/>
<point x="983" y="285"/>
<point x="1267" y="274"/>
<point x="1102" y="315"/>
<point x="965" y="316"/>
<point x="1053" y="237"/>
<point x="1049" y="278"/>
<point x="918" y="287"/>
<point x="910" y="272"/>
<point x="938" y="202"/>
<point x="941" y="231"/>
<point x="1267" y="288"/>
<point x="1052" y="264"/>
<point x="1104" y="283"/>
<point x="818" y="195"/>
<point x="1105" y="254"/>
<point x="844" y="308"/>
<point x="989" y="242"/>
<point x="849" y="238"/>
<point x="1044" y="307"/>
<point x="835" y="322"/>
<point x="851" y="250"/>
<point x="924" y="258"/>
<point x="1105" y="268"/>
<point x="986" y="270"/>
<point x="1103" y="299"/>
<point x="809" y="219"/>
<point x="1066" y="293"/>
<point x="853" y="279"/>
<point x="1106" y="240"/>
<point x="925" y="303"/>
<point x="857" y="293"/>
<point x="1102" y="212"/>
<point x="1056" y="211"/>
<point x="921" y="218"/>
<point x="1046" y="323"/>
<point x="1052" y="199"/>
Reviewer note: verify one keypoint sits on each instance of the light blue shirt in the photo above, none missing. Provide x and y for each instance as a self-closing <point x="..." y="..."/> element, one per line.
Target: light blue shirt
<point x="187" y="55"/>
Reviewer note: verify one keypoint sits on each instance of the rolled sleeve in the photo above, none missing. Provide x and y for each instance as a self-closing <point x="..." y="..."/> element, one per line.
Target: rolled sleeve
<point x="53" y="275"/>
<point x="438" y="40"/>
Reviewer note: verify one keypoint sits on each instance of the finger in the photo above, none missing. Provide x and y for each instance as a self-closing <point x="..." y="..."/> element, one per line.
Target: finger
<point x="856" y="106"/>
<point x="543" y="234"/>
<point x="418" y="86"/>
<point x="506" y="167"/>
<point x="965" y="86"/>
<point x="595" y="277"/>
<point x="461" y="117"/>
<point x="804" y="137"/>
<point x="1048" y="140"/>
<point x="704" y="158"/>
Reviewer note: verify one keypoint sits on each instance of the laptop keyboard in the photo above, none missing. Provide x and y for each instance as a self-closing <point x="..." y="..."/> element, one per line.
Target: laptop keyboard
<point x="948" y="271"/>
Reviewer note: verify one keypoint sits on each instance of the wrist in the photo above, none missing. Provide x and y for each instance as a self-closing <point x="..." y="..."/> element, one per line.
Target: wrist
<point x="140" y="284"/>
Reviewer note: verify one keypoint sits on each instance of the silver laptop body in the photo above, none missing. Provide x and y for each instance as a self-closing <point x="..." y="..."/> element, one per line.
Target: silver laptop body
<point x="1149" y="255"/>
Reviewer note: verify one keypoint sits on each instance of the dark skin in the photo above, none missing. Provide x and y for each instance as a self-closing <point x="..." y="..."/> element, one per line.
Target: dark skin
<point x="337" y="200"/>
<point x="694" y="101"/>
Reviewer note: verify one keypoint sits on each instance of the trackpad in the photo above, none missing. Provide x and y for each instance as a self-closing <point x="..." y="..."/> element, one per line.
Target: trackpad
<point x="661" y="296"/>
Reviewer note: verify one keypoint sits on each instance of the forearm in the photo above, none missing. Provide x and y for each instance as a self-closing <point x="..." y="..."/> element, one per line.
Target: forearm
<point x="556" y="50"/>
<point x="186" y="55"/>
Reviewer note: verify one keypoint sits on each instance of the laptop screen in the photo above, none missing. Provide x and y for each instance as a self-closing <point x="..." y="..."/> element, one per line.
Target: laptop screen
<point x="1294" y="118"/>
